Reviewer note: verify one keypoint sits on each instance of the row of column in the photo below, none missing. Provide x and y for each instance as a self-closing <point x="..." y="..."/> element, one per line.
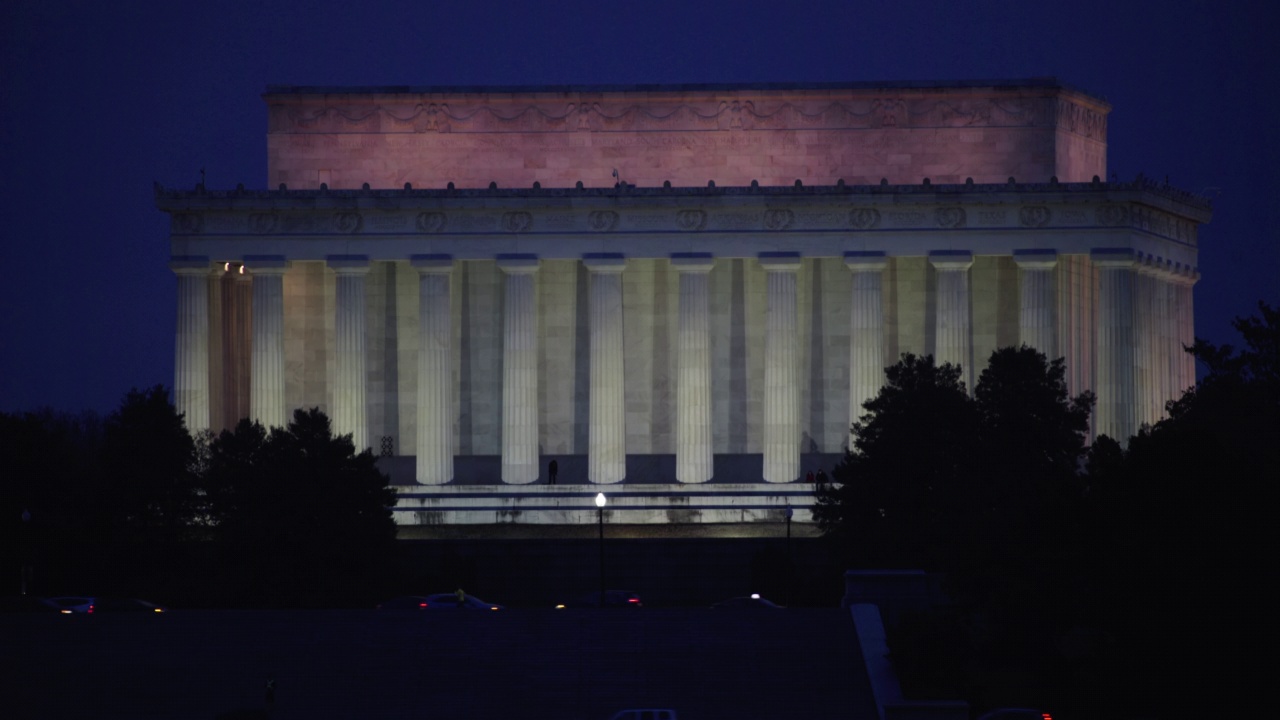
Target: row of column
<point x="1143" y="320"/>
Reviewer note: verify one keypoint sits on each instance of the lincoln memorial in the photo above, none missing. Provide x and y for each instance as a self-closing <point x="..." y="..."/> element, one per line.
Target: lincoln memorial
<point x="681" y="294"/>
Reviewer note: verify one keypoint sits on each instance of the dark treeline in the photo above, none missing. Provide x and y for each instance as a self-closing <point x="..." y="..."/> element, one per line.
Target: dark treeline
<point x="1113" y="580"/>
<point x="133" y="505"/>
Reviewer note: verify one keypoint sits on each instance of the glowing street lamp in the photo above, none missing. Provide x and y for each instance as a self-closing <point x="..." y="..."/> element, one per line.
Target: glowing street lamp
<point x="600" y="503"/>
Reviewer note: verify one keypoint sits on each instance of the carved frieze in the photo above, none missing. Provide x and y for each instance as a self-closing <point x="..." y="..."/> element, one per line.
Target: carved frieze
<point x="602" y="220"/>
<point x="189" y="223"/>
<point x="864" y="218"/>
<point x="517" y="222"/>
<point x="430" y="222"/>
<point x="950" y="217"/>
<point x="263" y="223"/>
<point x="1112" y="215"/>
<point x="347" y="223"/>
<point x="778" y="219"/>
<point x="690" y="220"/>
<point x="1034" y="216"/>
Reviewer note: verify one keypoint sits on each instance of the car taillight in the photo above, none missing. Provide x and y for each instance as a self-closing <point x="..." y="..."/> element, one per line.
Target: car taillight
<point x="91" y="609"/>
<point x="635" y="601"/>
<point x="422" y="605"/>
<point x="1046" y="716"/>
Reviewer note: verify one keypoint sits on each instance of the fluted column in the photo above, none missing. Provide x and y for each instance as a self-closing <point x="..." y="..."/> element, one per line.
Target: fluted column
<point x="239" y="351"/>
<point x="350" y="403"/>
<point x="952" y="331"/>
<point x="694" y="460"/>
<point x="1144" y="331"/>
<point x="1117" y="394"/>
<point x="1186" y="337"/>
<point x="1038" y="298"/>
<point x="217" y="406"/>
<point x="781" y="386"/>
<point x="266" y="374"/>
<point x="435" y="370"/>
<point x="866" y="329"/>
<point x="607" y="434"/>
<point x="519" y="371"/>
<point x="191" y="347"/>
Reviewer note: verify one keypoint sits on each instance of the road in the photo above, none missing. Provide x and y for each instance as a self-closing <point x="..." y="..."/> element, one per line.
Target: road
<point x="517" y="663"/>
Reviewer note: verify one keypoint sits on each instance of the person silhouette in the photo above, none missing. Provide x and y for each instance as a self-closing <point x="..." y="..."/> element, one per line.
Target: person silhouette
<point x="552" y="468"/>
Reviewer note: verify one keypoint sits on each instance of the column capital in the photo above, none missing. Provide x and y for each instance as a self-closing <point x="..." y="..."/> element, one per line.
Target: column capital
<point x="950" y="260"/>
<point x="780" y="261"/>
<point x="605" y="262"/>
<point x="1113" y="258"/>
<point x="190" y="265"/>
<point x="691" y="262"/>
<point x="265" y="264"/>
<point x="1036" y="259"/>
<point x="864" y="261"/>
<point x="348" y="264"/>
<point x="518" y="263"/>
<point x="432" y="264"/>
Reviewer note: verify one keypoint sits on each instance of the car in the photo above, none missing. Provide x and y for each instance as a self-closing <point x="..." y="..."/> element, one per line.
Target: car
<point x="88" y="605"/>
<point x="404" y="602"/>
<point x="612" y="599"/>
<point x="449" y="601"/>
<point x="747" y="602"/>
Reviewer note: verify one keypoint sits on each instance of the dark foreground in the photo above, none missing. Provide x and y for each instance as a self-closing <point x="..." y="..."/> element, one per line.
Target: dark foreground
<point x="567" y="665"/>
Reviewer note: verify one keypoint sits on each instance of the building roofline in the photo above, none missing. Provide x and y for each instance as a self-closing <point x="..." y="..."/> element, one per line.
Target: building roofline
<point x="1016" y="83"/>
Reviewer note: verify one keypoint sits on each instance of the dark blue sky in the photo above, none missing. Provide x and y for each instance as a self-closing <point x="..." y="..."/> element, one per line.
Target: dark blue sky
<point x="97" y="101"/>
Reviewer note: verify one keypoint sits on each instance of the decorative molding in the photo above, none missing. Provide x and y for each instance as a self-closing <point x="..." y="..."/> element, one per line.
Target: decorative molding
<point x="430" y="222"/>
<point x="1034" y="216"/>
<point x="864" y="218"/>
<point x="778" y="219"/>
<point x="950" y="217"/>
<point x="1112" y="214"/>
<point x="602" y="220"/>
<point x="691" y="220"/>
<point x="347" y="223"/>
<point x="516" y="222"/>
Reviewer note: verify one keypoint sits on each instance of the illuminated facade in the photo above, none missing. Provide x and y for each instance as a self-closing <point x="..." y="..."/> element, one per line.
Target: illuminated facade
<point x="688" y="290"/>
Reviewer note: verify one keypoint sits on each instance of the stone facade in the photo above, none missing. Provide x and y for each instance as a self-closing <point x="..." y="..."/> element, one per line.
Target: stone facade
<point x="662" y="331"/>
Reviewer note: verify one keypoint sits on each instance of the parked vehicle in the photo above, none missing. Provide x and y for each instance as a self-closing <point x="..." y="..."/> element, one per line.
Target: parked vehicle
<point x="747" y="602"/>
<point x="612" y="599"/>
<point x="404" y="602"/>
<point x="449" y="601"/>
<point x="88" y="605"/>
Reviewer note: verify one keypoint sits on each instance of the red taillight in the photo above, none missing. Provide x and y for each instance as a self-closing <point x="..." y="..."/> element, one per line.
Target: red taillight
<point x="634" y="600"/>
<point x="1046" y="716"/>
<point x="90" y="608"/>
<point x="422" y="605"/>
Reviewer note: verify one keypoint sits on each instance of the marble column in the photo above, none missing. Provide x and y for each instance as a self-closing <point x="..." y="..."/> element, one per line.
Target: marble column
<point x="191" y="349"/>
<point x="239" y="350"/>
<point x="866" y="329"/>
<point x="519" y="370"/>
<point x="266" y="374"/>
<point x="952" y="328"/>
<point x="1164" y="338"/>
<point x="435" y="370"/>
<point x="694" y="460"/>
<point x="350" y="401"/>
<point x="217" y="408"/>
<point x="781" y="384"/>
<point x="1144" y="331"/>
<point x="607" y="433"/>
<point x="1117" y="411"/>
<point x="1185" y="280"/>
<point x="1038" y="299"/>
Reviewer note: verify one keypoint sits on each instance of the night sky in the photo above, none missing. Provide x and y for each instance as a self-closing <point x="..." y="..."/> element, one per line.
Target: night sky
<point x="98" y="101"/>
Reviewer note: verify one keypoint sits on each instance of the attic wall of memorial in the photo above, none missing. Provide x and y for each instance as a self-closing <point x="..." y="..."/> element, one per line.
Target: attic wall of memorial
<point x="728" y="136"/>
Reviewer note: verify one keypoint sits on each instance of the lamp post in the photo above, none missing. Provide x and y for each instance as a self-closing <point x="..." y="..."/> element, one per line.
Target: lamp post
<point x="600" y="503"/>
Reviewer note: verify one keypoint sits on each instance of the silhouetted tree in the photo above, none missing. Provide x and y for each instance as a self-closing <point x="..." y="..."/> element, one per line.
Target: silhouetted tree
<point x="297" y="509"/>
<point x="899" y="491"/>
<point x="1183" y="533"/>
<point x="148" y="490"/>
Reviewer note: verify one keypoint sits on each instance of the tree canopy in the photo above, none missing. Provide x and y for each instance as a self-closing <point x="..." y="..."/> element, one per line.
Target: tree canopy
<point x="297" y="508"/>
